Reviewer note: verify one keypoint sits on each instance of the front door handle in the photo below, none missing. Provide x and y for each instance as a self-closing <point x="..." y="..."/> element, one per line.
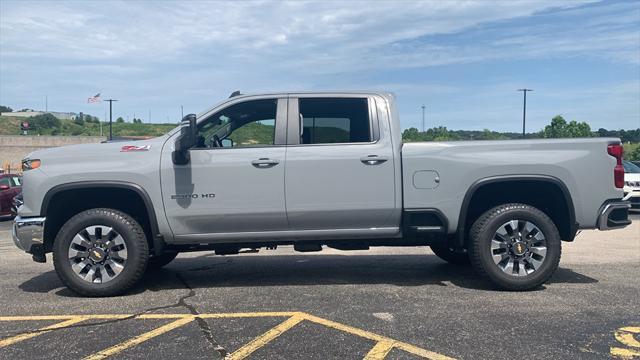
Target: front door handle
<point x="373" y="159"/>
<point x="264" y="163"/>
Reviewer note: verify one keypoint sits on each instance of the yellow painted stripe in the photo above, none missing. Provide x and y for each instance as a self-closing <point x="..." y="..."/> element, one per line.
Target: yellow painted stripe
<point x="371" y="336"/>
<point x="625" y="336"/>
<point x="140" y="338"/>
<point x="421" y="352"/>
<point x="249" y="315"/>
<point x="150" y="316"/>
<point x="64" y="317"/>
<point x="624" y="353"/>
<point x="37" y="317"/>
<point x="263" y="339"/>
<point x="44" y="330"/>
<point x="380" y="351"/>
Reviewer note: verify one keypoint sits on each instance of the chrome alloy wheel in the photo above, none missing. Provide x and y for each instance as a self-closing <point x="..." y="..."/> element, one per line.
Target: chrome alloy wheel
<point x="518" y="248"/>
<point x="97" y="254"/>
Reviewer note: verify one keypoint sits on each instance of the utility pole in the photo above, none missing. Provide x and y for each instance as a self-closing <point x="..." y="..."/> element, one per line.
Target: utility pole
<point x="181" y="112"/>
<point x="110" y="118"/>
<point x="423" y="118"/>
<point x="524" y="110"/>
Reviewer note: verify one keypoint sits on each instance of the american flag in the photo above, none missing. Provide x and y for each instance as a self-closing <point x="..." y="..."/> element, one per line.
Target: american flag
<point x="94" y="99"/>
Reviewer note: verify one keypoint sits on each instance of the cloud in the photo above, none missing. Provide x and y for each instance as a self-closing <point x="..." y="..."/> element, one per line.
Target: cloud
<point x="193" y="52"/>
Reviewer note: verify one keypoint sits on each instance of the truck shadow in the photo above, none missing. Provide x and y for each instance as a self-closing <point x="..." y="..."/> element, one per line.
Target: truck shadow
<point x="305" y="270"/>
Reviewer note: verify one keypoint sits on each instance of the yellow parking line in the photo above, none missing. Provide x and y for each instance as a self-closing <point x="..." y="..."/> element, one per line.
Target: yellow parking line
<point x="371" y="336"/>
<point x="37" y="317"/>
<point x="249" y="315"/>
<point x="44" y="330"/>
<point x="625" y="336"/>
<point x="383" y="344"/>
<point x="380" y="351"/>
<point x="263" y="339"/>
<point x="140" y="338"/>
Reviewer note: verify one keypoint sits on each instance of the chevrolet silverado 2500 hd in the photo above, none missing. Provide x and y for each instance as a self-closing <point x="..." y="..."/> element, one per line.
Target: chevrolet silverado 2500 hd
<point x="312" y="170"/>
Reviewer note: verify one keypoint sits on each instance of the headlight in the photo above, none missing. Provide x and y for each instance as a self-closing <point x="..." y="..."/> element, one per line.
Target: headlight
<point x="30" y="164"/>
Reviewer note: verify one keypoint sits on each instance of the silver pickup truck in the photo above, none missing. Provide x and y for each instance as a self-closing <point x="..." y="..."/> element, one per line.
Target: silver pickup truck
<point x="312" y="170"/>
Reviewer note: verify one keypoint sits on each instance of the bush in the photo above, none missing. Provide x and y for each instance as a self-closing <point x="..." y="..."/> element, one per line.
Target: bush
<point x="44" y="122"/>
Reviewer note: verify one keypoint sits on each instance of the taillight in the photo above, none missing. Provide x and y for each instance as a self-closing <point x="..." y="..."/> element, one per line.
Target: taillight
<point x="616" y="150"/>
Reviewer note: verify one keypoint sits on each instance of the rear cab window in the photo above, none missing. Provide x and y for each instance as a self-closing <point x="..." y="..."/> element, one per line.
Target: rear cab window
<point x="334" y="120"/>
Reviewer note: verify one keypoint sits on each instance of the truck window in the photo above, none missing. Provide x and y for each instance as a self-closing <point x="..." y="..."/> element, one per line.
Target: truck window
<point x="246" y="124"/>
<point x="334" y="120"/>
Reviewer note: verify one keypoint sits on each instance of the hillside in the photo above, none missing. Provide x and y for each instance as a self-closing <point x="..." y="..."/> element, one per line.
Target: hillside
<point x="11" y="126"/>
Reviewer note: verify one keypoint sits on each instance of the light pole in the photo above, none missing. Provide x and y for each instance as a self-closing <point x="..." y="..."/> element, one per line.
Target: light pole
<point x="110" y="118"/>
<point x="524" y="110"/>
<point x="181" y="112"/>
<point x="423" y="118"/>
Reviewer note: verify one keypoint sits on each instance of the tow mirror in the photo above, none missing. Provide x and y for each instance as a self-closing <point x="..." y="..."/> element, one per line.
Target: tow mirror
<point x="186" y="140"/>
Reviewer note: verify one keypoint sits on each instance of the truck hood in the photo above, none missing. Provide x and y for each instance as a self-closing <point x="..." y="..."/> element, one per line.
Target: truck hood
<point x="100" y="153"/>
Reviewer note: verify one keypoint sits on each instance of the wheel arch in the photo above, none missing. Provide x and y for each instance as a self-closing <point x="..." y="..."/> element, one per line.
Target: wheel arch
<point x="563" y="209"/>
<point x="148" y="219"/>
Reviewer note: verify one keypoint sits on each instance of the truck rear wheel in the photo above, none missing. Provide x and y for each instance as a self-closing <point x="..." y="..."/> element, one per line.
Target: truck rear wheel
<point x="516" y="246"/>
<point x="450" y="255"/>
<point x="100" y="252"/>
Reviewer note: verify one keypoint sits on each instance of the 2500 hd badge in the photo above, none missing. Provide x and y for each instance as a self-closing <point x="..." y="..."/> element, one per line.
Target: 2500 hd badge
<point x="192" y="196"/>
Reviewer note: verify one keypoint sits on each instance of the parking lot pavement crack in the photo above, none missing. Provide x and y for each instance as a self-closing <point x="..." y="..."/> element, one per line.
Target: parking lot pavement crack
<point x="204" y="326"/>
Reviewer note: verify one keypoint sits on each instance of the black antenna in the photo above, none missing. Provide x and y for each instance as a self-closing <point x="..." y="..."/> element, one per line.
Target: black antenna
<point x="235" y="93"/>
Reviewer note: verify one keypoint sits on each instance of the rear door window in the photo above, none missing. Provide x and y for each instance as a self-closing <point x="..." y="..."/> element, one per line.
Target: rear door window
<point x="334" y="120"/>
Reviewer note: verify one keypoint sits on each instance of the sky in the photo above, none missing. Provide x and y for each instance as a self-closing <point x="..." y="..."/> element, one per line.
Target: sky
<point x="462" y="60"/>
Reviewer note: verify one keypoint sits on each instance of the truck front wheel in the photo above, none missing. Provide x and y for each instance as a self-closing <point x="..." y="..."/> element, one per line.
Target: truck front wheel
<point x="516" y="246"/>
<point x="100" y="252"/>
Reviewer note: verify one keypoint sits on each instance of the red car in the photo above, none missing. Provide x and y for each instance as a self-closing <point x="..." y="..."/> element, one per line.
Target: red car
<point x="10" y="187"/>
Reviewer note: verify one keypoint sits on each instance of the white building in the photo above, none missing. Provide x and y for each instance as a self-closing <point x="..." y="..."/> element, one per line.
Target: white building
<point x="59" y="115"/>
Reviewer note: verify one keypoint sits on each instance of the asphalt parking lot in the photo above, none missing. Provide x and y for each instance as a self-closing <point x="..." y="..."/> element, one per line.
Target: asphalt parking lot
<point x="393" y="303"/>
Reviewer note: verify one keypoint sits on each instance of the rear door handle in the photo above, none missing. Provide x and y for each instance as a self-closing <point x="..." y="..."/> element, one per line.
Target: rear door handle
<point x="373" y="159"/>
<point x="264" y="163"/>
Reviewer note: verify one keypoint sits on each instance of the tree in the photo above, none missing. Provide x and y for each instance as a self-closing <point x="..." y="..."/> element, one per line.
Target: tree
<point x="79" y="120"/>
<point x="44" y="122"/>
<point x="635" y="154"/>
<point x="559" y="128"/>
<point x="4" y="109"/>
<point x="119" y="119"/>
<point x="411" y="134"/>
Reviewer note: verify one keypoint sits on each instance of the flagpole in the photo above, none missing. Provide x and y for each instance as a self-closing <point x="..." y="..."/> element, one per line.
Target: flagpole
<point x="110" y="118"/>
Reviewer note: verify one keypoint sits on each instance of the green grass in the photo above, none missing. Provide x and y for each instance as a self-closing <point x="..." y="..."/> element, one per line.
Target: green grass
<point x="10" y="125"/>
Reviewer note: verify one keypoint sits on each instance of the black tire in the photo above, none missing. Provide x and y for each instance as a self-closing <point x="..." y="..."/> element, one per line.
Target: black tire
<point x="136" y="245"/>
<point x="483" y="232"/>
<point x="156" y="262"/>
<point x="450" y="256"/>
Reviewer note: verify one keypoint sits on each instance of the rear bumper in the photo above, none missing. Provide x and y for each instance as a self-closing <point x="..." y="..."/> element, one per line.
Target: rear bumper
<point x="28" y="234"/>
<point x="614" y="215"/>
<point x="633" y="196"/>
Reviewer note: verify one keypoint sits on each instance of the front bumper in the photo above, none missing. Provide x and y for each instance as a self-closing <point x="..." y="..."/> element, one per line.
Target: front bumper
<point x="614" y="215"/>
<point x="28" y="234"/>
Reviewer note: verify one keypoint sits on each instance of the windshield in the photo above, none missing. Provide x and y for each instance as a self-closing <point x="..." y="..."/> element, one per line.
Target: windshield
<point x="630" y="167"/>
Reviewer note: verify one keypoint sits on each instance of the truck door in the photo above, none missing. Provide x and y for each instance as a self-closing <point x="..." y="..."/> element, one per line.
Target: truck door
<point x="340" y="167"/>
<point x="234" y="182"/>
